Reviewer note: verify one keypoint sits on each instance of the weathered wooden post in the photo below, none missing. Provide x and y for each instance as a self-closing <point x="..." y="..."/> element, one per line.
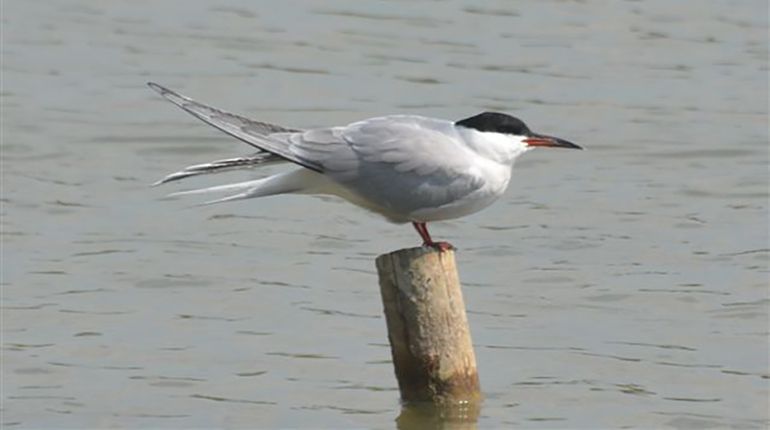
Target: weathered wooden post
<point x="427" y="327"/>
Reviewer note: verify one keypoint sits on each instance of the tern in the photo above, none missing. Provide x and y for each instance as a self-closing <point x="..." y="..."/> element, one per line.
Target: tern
<point x="407" y="168"/>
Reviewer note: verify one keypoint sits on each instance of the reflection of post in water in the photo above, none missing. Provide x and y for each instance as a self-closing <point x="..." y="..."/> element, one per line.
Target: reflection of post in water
<point x="428" y="416"/>
<point x="429" y="335"/>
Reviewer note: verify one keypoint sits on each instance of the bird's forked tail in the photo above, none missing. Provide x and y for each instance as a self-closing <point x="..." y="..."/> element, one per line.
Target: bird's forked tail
<point x="295" y="181"/>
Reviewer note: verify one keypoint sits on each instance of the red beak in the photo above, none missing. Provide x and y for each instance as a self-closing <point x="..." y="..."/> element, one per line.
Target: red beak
<point x="554" y="142"/>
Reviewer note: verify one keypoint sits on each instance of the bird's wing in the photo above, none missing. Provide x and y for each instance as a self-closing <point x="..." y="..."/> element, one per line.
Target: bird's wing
<point x="401" y="143"/>
<point x="258" y="159"/>
<point x="402" y="160"/>
<point x="399" y="164"/>
<point x="264" y="136"/>
<point x="409" y="143"/>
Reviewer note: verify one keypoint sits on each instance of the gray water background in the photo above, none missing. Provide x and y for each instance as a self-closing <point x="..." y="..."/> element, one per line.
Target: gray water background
<point x="623" y="286"/>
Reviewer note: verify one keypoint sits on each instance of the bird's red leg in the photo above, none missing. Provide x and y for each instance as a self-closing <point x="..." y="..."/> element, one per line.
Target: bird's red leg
<point x="423" y="232"/>
<point x="422" y="229"/>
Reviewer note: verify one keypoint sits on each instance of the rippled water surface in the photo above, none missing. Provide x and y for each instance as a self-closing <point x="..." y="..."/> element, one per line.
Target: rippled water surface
<point x="623" y="286"/>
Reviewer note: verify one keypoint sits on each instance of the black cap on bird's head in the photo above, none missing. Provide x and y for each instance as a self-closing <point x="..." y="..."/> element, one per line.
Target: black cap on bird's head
<point x="496" y="122"/>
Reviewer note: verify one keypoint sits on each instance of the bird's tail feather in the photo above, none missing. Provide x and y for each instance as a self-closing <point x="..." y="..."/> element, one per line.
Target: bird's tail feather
<point x="295" y="181"/>
<point x="232" y="198"/>
<point x="239" y="186"/>
<point x="255" y="160"/>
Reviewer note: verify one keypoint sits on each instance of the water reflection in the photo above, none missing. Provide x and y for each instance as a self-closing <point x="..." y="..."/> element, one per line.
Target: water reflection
<point x="439" y="416"/>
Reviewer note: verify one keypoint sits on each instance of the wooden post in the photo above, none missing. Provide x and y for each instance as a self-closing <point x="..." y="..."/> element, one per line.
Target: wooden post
<point x="427" y="327"/>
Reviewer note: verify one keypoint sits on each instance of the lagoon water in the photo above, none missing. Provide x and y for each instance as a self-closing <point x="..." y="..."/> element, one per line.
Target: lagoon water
<point x="623" y="286"/>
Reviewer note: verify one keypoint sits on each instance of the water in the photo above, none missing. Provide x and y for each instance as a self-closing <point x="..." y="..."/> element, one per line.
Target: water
<point x="623" y="286"/>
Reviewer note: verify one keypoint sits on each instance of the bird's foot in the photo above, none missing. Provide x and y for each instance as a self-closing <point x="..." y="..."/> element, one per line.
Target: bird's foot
<point x="440" y="246"/>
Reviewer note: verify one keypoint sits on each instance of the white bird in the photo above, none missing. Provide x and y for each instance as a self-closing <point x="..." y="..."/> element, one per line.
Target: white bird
<point x="407" y="168"/>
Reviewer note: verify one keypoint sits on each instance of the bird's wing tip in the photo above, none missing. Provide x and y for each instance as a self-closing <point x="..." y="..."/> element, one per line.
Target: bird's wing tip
<point x="165" y="92"/>
<point x="155" y="87"/>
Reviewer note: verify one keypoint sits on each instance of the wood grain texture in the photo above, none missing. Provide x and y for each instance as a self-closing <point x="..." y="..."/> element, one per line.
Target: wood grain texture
<point x="427" y="326"/>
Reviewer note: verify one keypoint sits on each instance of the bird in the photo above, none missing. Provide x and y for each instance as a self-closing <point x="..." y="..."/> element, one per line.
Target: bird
<point x="406" y="168"/>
